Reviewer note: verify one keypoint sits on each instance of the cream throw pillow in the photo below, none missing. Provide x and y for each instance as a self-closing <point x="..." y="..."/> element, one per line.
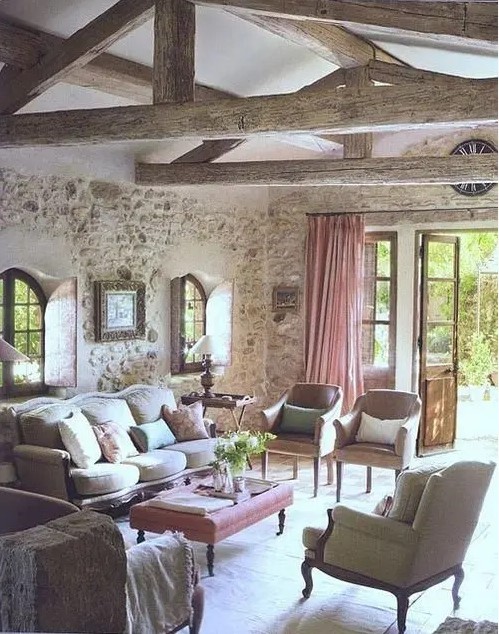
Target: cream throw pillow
<point x="378" y="430"/>
<point x="80" y="441"/>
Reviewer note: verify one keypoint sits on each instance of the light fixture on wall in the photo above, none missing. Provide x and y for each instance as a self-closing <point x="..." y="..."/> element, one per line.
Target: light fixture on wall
<point x="205" y="346"/>
<point x="9" y="353"/>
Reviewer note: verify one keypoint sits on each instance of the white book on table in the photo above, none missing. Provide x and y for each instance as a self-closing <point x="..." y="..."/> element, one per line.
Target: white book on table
<point x="190" y="503"/>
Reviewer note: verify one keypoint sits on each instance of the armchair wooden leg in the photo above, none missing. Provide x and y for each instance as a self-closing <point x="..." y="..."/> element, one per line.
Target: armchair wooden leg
<point x="339" y="475"/>
<point x="265" y="464"/>
<point x="402" y="607"/>
<point x="295" y="468"/>
<point x="330" y="471"/>
<point x="317" y="471"/>
<point x="369" y="479"/>
<point x="306" y="571"/>
<point x="458" y="580"/>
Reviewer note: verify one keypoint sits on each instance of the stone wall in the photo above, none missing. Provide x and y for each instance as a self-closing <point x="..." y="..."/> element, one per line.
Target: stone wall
<point x="119" y="231"/>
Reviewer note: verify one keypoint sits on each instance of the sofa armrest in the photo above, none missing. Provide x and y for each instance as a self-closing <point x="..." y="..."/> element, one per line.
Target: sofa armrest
<point x="43" y="470"/>
<point x="211" y="427"/>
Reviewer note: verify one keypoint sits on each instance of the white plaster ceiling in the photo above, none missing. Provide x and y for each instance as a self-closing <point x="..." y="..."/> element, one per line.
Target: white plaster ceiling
<point x="231" y="55"/>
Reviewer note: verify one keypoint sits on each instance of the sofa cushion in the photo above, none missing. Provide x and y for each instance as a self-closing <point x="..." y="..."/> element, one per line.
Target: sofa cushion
<point x="199" y="453"/>
<point x="409" y="490"/>
<point x="151" y="436"/>
<point x="186" y="422"/>
<point x="107" y="410"/>
<point x="79" y="440"/>
<point x="299" y="420"/>
<point x="145" y="403"/>
<point x="114" y="441"/>
<point x="157" y="464"/>
<point x="104" y="477"/>
<point x="377" y="430"/>
<point x="40" y="426"/>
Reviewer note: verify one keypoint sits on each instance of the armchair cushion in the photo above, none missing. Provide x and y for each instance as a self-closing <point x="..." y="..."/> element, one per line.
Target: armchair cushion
<point x="80" y="441"/>
<point x="299" y="420"/>
<point x="383" y="431"/>
<point x="409" y="490"/>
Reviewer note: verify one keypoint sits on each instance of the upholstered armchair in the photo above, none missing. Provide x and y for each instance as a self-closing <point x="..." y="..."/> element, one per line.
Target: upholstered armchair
<point x="302" y="419"/>
<point x="379" y="431"/>
<point x="67" y="570"/>
<point x="422" y="540"/>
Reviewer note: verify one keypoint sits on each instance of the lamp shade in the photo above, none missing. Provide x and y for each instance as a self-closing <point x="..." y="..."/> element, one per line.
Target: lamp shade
<point x="9" y="353"/>
<point x="204" y="345"/>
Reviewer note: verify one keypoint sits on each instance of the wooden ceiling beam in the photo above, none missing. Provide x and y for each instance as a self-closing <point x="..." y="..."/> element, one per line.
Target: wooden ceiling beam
<point x="87" y="43"/>
<point x="345" y="111"/>
<point x="173" y="62"/>
<point x="209" y="151"/>
<point x="331" y="42"/>
<point x="357" y="145"/>
<point x="402" y="75"/>
<point x="452" y="21"/>
<point x="23" y="47"/>
<point x="421" y="170"/>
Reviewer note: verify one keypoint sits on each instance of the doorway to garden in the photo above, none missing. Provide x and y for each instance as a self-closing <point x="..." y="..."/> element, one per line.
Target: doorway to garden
<point x="457" y="340"/>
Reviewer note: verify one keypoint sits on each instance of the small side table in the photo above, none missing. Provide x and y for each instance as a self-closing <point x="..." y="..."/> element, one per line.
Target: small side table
<point x="222" y="401"/>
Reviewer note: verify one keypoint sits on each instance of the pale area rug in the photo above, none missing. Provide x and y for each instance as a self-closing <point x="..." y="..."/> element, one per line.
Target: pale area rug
<point x="257" y="584"/>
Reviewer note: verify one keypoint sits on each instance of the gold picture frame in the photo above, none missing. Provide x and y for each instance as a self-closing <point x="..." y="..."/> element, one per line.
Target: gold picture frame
<point x="119" y="310"/>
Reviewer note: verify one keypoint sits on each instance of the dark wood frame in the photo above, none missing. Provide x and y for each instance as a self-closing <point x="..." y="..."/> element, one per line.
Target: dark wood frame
<point x="9" y="388"/>
<point x="102" y="331"/>
<point x="402" y="594"/>
<point x="177" y="334"/>
<point x="291" y="290"/>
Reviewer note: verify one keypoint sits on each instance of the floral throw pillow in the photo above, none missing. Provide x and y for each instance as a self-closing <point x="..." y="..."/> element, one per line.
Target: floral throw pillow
<point x="186" y="422"/>
<point x="114" y="442"/>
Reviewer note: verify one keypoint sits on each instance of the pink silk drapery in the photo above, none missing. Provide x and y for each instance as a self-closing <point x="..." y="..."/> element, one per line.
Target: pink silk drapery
<point x="333" y="303"/>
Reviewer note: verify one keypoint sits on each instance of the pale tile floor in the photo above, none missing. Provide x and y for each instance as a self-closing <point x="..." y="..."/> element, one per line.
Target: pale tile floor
<point x="479" y="591"/>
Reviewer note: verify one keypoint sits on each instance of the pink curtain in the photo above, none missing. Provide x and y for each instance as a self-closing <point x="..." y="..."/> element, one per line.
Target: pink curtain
<point x="333" y="303"/>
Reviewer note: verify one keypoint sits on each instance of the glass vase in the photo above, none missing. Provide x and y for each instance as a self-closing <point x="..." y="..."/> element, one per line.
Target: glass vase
<point x="238" y="477"/>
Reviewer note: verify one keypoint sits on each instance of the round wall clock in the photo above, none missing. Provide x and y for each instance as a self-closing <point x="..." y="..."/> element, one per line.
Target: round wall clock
<point x="473" y="146"/>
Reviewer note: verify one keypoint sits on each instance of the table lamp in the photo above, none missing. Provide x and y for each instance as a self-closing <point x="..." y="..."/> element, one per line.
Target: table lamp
<point x="205" y="346"/>
<point x="9" y="353"/>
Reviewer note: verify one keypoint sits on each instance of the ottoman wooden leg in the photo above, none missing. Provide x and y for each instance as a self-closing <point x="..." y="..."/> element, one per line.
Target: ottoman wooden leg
<point x="140" y="537"/>
<point x="282" y="519"/>
<point x="210" y="558"/>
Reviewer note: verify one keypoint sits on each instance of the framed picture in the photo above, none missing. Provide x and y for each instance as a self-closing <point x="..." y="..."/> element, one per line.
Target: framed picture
<point x="119" y="310"/>
<point x="285" y="298"/>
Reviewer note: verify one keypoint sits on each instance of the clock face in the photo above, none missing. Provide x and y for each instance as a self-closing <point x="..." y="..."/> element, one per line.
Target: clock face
<point x="474" y="146"/>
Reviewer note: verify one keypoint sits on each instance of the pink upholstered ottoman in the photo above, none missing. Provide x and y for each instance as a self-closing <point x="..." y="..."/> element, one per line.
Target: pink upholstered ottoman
<point x="212" y="528"/>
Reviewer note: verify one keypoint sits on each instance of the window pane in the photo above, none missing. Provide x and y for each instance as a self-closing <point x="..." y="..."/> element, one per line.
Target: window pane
<point x="1" y="291"/>
<point x="383" y="300"/>
<point x="368" y="344"/>
<point x="1" y="318"/>
<point x="35" y="317"/>
<point x="381" y="344"/>
<point x="368" y="299"/>
<point x="189" y="290"/>
<point x="21" y="318"/>
<point x="35" y="348"/>
<point x="1" y="374"/>
<point x="439" y="345"/>
<point x="21" y="342"/>
<point x="27" y="372"/>
<point x="383" y="259"/>
<point x="198" y="330"/>
<point x="440" y="301"/>
<point x="33" y="299"/>
<point x="440" y="259"/>
<point x="189" y="331"/>
<point x="21" y="292"/>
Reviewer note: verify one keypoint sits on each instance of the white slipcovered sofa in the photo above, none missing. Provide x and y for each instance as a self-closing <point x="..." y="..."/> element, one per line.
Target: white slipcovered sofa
<point x="45" y="466"/>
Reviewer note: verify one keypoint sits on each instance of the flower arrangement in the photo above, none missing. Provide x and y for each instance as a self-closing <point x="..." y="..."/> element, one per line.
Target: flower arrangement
<point x="234" y="448"/>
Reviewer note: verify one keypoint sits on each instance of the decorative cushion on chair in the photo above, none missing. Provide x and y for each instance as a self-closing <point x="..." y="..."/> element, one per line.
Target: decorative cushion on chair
<point x="299" y="420"/>
<point x="152" y="435"/>
<point x="377" y="430"/>
<point x="409" y="490"/>
<point x="79" y="440"/>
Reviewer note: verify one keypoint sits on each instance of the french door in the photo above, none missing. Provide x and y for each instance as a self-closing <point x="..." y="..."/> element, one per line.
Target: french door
<point x="437" y="341"/>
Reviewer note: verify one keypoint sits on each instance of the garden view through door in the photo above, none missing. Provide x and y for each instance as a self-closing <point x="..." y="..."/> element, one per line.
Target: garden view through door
<point x="437" y="341"/>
